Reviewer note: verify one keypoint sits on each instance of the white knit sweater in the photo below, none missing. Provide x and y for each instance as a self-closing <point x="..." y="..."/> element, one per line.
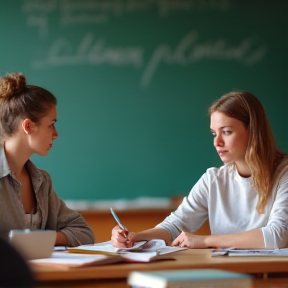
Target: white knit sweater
<point x="229" y="202"/>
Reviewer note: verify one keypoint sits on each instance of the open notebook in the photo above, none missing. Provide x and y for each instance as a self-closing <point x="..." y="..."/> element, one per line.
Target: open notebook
<point x="105" y="253"/>
<point x="106" y="248"/>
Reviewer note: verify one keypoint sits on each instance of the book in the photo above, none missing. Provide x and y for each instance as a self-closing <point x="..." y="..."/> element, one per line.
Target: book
<point x="189" y="279"/>
<point x="74" y="260"/>
<point x="106" y="248"/>
<point x="250" y="252"/>
<point x="105" y="253"/>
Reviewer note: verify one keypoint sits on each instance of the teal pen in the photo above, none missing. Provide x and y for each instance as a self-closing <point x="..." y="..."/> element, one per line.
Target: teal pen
<point x="118" y="221"/>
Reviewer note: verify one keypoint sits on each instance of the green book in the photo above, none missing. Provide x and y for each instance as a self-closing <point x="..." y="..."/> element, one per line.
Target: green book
<point x="196" y="278"/>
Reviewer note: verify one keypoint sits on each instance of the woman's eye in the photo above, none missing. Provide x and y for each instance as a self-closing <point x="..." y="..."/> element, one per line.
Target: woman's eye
<point x="226" y="132"/>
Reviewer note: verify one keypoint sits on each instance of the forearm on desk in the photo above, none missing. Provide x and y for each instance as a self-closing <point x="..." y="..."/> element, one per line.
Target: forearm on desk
<point x="61" y="239"/>
<point x="154" y="233"/>
<point x="248" y="239"/>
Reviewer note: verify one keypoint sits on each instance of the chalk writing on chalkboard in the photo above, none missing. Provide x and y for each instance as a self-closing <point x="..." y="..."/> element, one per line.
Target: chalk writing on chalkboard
<point x="94" y="49"/>
<point x="91" y="11"/>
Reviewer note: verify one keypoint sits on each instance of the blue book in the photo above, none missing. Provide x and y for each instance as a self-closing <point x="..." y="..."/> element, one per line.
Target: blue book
<point x="195" y="278"/>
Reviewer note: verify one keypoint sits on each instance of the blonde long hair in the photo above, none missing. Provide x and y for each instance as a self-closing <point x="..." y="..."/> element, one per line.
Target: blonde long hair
<point x="262" y="154"/>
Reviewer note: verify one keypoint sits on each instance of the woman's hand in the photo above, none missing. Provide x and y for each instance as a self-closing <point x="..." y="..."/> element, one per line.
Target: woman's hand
<point x="189" y="240"/>
<point x="122" y="238"/>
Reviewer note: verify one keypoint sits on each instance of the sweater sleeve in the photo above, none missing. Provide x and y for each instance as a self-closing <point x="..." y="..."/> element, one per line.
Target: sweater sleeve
<point x="191" y="213"/>
<point x="65" y="220"/>
<point x="73" y="225"/>
<point x="275" y="233"/>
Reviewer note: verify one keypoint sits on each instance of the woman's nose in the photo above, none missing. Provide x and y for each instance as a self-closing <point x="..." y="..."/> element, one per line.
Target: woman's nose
<point x="55" y="134"/>
<point x="218" y="141"/>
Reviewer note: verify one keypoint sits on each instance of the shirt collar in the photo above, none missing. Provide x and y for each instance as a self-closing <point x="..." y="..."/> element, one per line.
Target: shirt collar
<point x="5" y="169"/>
<point x="4" y="166"/>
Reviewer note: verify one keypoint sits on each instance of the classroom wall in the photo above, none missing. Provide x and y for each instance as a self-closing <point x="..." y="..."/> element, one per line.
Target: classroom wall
<point x="134" y="80"/>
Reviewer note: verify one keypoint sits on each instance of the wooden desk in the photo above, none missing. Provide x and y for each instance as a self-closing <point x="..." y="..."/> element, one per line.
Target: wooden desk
<point x="115" y="275"/>
<point x="121" y="283"/>
<point x="102" y="222"/>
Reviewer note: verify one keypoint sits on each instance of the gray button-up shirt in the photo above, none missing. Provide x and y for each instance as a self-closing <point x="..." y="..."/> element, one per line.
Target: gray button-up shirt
<point x="54" y="213"/>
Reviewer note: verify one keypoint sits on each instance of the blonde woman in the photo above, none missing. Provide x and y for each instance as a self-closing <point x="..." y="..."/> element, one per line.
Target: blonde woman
<point x="245" y="200"/>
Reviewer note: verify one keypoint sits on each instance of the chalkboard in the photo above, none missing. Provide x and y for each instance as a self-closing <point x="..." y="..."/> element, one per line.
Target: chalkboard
<point x="134" y="80"/>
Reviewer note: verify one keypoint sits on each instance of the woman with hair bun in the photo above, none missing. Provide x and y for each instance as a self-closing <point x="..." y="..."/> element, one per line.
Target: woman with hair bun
<point x="27" y="199"/>
<point x="245" y="200"/>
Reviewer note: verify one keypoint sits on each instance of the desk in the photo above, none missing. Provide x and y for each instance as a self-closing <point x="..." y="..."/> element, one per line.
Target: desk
<point x="258" y="283"/>
<point x="115" y="275"/>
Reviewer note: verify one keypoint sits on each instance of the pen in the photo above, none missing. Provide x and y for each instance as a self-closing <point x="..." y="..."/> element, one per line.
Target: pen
<point x="118" y="221"/>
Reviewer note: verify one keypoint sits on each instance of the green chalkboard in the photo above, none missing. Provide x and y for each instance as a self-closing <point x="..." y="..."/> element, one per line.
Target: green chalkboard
<point x="134" y="80"/>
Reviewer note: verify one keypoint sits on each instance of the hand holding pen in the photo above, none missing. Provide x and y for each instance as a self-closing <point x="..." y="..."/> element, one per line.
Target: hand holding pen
<point x="122" y="237"/>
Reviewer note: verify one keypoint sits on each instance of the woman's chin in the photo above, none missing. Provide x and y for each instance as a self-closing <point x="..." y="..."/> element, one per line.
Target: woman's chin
<point x="226" y="161"/>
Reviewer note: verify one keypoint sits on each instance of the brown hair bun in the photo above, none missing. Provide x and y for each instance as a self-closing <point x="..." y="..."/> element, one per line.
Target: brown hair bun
<point x="12" y="85"/>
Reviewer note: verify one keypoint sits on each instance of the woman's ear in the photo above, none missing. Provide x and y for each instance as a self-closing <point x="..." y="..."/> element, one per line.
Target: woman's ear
<point x="27" y="126"/>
